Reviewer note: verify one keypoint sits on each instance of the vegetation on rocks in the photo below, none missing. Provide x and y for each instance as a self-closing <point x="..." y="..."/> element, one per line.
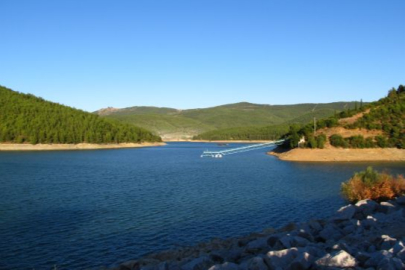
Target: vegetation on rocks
<point x="25" y="118"/>
<point x="370" y="184"/>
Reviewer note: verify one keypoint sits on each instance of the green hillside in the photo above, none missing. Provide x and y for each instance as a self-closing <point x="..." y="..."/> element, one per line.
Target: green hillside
<point x="254" y="117"/>
<point x="385" y="117"/>
<point x="25" y="118"/>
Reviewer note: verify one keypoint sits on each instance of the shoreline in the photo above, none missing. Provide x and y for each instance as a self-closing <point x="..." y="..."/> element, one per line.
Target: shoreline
<point x="340" y="155"/>
<point x="365" y="235"/>
<point x="79" y="146"/>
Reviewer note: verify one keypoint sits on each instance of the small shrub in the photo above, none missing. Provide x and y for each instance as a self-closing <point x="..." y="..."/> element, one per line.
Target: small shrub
<point x="381" y="141"/>
<point x="370" y="184"/>
<point x="337" y="140"/>
<point x="356" y="141"/>
<point x="320" y="140"/>
<point x="312" y="142"/>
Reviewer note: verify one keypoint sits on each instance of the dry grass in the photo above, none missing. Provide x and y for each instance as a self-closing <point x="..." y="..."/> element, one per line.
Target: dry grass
<point x="372" y="185"/>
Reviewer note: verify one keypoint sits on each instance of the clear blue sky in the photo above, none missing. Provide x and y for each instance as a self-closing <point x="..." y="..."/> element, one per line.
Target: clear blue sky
<point x="91" y="54"/>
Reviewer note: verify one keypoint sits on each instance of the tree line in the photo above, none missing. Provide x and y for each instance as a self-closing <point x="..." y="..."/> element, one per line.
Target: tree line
<point x="25" y="118"/>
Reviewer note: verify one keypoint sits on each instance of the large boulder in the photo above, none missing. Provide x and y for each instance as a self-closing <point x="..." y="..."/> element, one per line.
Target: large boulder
<point x="401" y="200"/>
<point x="303" y="261"/>
<point x="386" y="207"/>
<point x="287" y="241"/>
<point x="366" y="207"/>
<point x="225" y="266"/>
<point x="256" y="263"/>
<point x="331" y="232"/>
<point x="281" y="258"/>
<point x="257" y="245"/>
<point x="346" y="212"/>
<point x="315" y="225"/>
<point x="201" y="263"/>
<point x="387" y="242"/>
<point x="377" y="257"/>
<point x="337" y="259"/>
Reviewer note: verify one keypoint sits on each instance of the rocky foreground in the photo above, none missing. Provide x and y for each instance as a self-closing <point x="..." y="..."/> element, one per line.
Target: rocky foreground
<point x="367" y="235"/>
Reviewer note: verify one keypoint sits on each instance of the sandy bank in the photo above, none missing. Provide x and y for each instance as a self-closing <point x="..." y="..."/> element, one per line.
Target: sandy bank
<point x="342" y="155"/>
<point x="80" y="146"/>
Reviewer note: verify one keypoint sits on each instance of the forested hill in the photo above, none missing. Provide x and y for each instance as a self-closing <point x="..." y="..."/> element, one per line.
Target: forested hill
<point x="378" y="124"/>
<point x="171" y="123"/>
<point x="25" y="118"/>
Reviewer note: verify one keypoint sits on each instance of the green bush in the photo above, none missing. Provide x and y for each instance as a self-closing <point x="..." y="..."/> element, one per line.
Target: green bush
<point x="312" y="142"/>
<point x="321" y="140"/>
<point x="337" y="140"/>
<point x="356" y="141"/>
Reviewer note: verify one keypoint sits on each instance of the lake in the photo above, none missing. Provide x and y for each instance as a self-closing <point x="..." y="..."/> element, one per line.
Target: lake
<point x="89" y="209"/>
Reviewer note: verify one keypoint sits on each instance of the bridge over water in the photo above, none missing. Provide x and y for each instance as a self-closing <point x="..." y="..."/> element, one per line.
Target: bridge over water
<point x="220" y="154"/>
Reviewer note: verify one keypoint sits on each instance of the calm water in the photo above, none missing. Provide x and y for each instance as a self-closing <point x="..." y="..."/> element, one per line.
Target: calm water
<point x="87" y="209"/>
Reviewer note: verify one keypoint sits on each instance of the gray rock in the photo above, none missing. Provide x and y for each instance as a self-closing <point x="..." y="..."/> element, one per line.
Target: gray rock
<point x="300" y="242"/>
<point x="366" y="207"/>
<point x="201" y="263"/>
<point x="377" y="257"/>
<point x="348" y="229"/>
<point x="306" y="234"/>
<point x="257" y="245"/>
<point x="386" y="264"/>
<point x="315" y="225"/>
<point x="343" y="246"/>
<point x="380" y="217"/>
<point x="134" y="264"/>
<point x="272" y="240"/>
<point x="316" y="250"/>
<point x="398" y="264"/>
<point x="303" y="261"/>
<point x="346" y="212"/>
<point x="386" y="207"/>
<point x="337" y="259"/>
<point x="362" y="257"/>
<point x="371" y="249"/>
<point x="331" y="232"/>
<point x="368" y="223"/>
<point x="281" y="258"/>
<point x="287" y="241"/>
<point x="387" y="242"/>
<point x="401" y="200"/>
<point x="256" y="263"/>
<point x="396" y="215"/>
<point x="225" y="266"/>
<point x="398" y="246"/>
<point x="217" y="256"/>
<point x="231" y="255"/>
<point x="401" y="254"/>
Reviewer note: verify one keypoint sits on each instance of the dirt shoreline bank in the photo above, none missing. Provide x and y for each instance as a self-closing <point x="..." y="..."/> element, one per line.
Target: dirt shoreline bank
<point x="80" y="146"/>
<point x="341" y="155"/>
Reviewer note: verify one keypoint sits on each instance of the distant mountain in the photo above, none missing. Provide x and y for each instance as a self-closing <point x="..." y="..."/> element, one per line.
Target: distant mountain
<point x="184" y="124"/>
<point x="25" y="118"/>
